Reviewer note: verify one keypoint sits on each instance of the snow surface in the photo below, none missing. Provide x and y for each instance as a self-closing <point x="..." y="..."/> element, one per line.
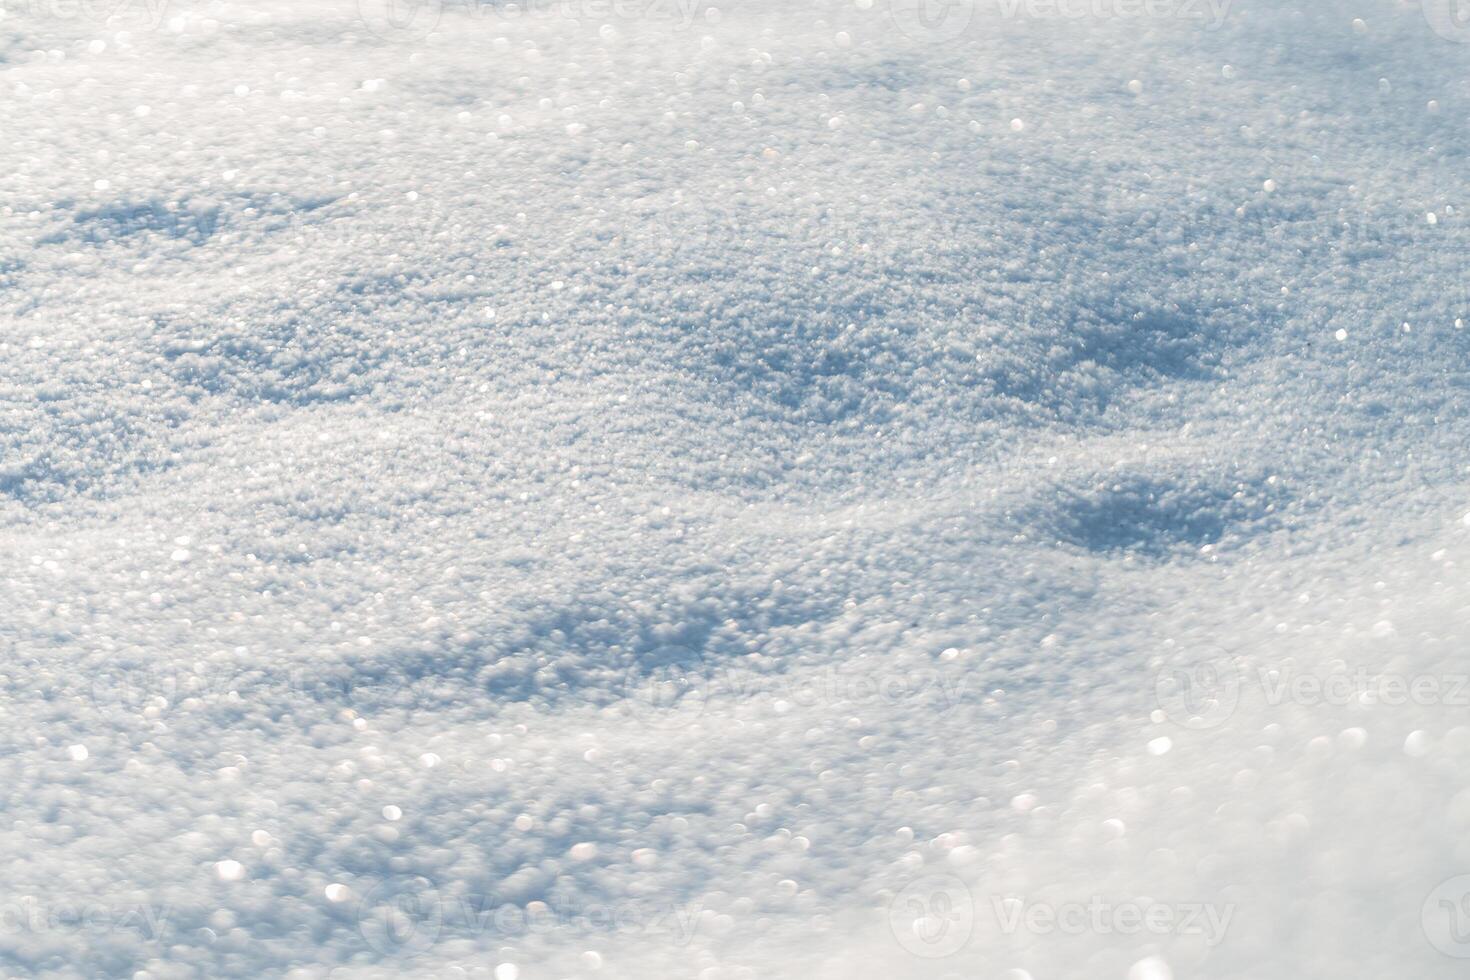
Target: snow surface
<point x="775" y="489"/>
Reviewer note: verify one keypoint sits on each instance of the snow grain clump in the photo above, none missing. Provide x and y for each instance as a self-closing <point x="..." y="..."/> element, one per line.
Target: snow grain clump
<point x="1130" y="513"/>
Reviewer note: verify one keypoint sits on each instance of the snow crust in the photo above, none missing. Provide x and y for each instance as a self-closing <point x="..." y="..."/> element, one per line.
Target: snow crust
<point x="764" y="490"/>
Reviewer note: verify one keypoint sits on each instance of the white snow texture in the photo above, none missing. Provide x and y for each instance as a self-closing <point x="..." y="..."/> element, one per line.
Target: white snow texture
<point x="720" y="489"/>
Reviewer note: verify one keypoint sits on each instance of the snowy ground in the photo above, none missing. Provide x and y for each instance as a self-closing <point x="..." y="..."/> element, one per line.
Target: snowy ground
<point x="636" y="488"/>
